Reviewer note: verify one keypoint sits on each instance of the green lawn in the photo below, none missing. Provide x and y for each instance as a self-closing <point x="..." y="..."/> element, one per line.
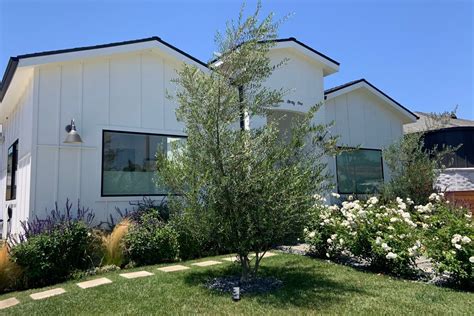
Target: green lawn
<point x="310" y="286"/>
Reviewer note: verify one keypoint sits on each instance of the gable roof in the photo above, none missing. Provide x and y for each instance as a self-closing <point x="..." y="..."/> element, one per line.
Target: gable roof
<point x="14" y="61"/>
<point x="330" y="65"/>
<point x="362" y="83"/>
<point x="293" y="39"/>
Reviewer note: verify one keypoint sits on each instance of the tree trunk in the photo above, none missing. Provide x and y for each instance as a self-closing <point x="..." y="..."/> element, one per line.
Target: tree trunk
<point x="245" y="265"/>
<point x="258" y="258"/>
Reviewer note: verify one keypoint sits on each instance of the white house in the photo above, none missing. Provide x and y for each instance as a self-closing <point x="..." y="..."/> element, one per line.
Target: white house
<point x="117" y="95"/>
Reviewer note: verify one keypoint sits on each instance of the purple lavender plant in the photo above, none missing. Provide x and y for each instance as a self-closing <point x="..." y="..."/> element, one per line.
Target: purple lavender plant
<point x="57" y="219"/>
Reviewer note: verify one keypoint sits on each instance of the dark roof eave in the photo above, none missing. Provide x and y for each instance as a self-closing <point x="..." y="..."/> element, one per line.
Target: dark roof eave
<point x="8" y="76"/>
<point x="292" y="39"/>
<point x="350" y="83"/>
<point x="13" y="62"/>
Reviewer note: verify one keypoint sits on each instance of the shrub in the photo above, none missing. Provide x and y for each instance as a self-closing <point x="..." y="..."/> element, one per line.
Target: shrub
<point x="56" y="218"/>
<point x="414" y="169"/>
<point x="139" y="208"/>
<point x="52" y="256"/>
<point x="113" y="244"/>
<point x="384" y="235"/>
<point x="323" y="225"/>
<point x="151" y="241"/>
<point x="10" y="272"/>
<point x="449" y="236"/>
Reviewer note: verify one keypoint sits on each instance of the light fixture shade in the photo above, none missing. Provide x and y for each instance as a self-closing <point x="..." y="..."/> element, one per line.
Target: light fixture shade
<point x="72" y="135"/>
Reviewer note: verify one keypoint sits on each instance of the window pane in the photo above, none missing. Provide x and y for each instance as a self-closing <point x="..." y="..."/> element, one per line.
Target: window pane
<point x="130" y="163"/>
<point x="359" y="171"/>
<point x="345" y="173"/>
<point x="12" y="166"/>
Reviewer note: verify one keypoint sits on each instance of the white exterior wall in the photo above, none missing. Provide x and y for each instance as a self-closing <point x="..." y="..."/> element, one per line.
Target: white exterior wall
<point x="18" y="126"/>
<point x="301" y="78"/>
<point x="121" y="92"/>
<point x="361" y="119"/>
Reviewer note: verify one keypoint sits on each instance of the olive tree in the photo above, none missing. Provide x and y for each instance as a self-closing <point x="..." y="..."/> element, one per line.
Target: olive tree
<point x="249" y="187"/>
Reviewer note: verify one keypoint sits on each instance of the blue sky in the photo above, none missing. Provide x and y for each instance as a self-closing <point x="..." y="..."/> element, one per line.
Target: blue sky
<point x="419" y="52"/>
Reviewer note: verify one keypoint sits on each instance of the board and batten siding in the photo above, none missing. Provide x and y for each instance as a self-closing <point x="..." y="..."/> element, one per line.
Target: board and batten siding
<point x="361" y="119"/>
<point x="18" y="126"/>
<point x="301" y="80"/>
<point x="122" y="92"/>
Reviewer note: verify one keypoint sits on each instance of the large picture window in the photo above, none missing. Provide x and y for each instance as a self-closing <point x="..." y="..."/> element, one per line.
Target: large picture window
<point x="12" y="166"/>
<point x="129" y="162"/>
<point x="359" y="171"/>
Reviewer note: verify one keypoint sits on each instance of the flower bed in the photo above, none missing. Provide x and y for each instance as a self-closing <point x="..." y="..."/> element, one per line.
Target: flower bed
<point x="391" y="236"/>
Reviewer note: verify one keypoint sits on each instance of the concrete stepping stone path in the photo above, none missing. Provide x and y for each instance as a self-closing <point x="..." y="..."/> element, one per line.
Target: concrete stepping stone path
<point x="9" y="302"/>
<point x="231" y="259"/>
<point x="134" y="275"/>
<point x="206" y="263"/>
<point x="93" y="283"/>
<point x="173" y="268"/>
<point x="48" y="293"/>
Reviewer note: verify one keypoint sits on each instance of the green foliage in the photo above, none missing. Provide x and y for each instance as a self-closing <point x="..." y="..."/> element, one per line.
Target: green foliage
<point x="309" y="286"/>
<point x="197" y="237"/>
<point x="413" y="169"/>
<point x="383" y="235"/>
<point x="151" y="241"/>
<point x="251" y="188"/>
<point x="391" y="236"/>
<point x="51" y="257"/>
<point x="450" y="242"/>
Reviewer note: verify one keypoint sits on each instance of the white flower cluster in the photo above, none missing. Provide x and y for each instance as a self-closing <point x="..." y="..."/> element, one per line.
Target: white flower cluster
<point x="437" y="197"/>
<point x="391" y="256"/>
<point x="334" y="244"/>
<point x="373" y="200"/>
<point x="424" y="209"/>
<point x="414" y="251"/>
<point x="457" y="241"/>
<point x="319" y="198"/>
<point x="336" y="195"/>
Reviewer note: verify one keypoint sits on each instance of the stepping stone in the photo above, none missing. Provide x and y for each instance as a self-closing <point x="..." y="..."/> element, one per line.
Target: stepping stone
<point x="174" y="268"/>
<point x="93" y="283"/>
<point x="9" y="302"/>
<point x="138" y="274"/>
<point x="206" y="263"/>
<point x="231" y="259"/>
<point x="48" y="293"/>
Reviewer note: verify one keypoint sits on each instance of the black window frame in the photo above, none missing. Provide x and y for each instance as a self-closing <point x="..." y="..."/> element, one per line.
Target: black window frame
<point x="360" y="148"/>
<point x="14" y="167"/>
<point x="103" y="160"/>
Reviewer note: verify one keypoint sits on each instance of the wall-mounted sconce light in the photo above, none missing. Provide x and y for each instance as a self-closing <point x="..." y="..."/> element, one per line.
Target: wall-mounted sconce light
<point x="72" y="135"/>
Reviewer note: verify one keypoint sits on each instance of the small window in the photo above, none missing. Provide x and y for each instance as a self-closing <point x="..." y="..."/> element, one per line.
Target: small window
<point x="359" y="171"/>
<point x="129" y="162"/>
<point x="12" y="166"/>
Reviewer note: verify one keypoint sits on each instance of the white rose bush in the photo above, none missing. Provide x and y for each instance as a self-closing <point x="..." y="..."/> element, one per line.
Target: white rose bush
<point x="449" y="238"/>
<point x="391" y="236"/>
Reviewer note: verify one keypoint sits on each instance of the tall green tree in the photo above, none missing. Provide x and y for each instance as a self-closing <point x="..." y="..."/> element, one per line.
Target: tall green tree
<point x="250" y="188"/>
